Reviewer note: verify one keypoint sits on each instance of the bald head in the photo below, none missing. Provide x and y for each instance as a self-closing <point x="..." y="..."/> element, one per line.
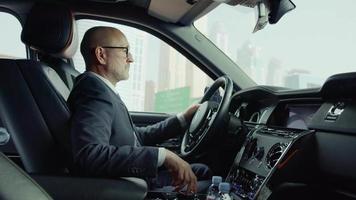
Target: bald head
<point x="100" y="36"/>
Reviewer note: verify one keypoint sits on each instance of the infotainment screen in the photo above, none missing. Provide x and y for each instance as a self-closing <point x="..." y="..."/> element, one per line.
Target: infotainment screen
<point x="293" y="115"/>
<point x="300" y="115"/>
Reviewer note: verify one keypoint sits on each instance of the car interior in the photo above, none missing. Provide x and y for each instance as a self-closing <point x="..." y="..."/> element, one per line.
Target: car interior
<point x="268" y="142"/>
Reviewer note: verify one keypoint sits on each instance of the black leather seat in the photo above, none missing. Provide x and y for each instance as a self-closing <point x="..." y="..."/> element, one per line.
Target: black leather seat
<point x="35" y="113"/>
<point x="12" y="178"/>
<point x="52" y="33"/>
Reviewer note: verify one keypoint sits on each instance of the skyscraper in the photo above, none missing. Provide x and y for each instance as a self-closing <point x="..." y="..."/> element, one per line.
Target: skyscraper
<point x="297" y="79"/>
<point x="163" y="68"/>
<point x="219" y="35"/>
<point x="274" y="72"/>
<point x="149" y="96"/>
<point x="249" y="61"/>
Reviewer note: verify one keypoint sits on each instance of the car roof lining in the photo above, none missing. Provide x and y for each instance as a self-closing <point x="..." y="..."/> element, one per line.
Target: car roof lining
<point x="183" y="12"/>
<point x="173" y="11"/>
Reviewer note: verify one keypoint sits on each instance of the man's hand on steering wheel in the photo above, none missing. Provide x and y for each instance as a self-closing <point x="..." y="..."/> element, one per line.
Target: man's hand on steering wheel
<point x="207" y="118"/>
<point x="189" y="112"/>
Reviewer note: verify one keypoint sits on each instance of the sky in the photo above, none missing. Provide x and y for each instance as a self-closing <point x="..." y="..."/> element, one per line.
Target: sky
<point x="10" y="33"/>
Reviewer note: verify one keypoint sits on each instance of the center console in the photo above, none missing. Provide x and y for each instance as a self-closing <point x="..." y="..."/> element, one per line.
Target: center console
<point x="257" y="160"/>
<point x="265" y="151"/>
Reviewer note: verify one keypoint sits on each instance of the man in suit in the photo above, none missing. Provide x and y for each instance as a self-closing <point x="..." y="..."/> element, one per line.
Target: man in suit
<point x="105" y="141"/>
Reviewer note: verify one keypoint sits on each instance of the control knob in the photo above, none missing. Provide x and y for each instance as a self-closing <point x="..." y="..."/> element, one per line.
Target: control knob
<point x="260" y="152"/>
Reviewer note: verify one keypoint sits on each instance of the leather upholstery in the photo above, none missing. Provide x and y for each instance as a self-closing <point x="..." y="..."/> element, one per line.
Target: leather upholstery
<point x="13" y="179"/>
<point x="64" y="70"/>
<point x="61" y="87"/>
<point x="51" y="29"/>
<point x="35" y="115"/>
<point x="73" y="188"/>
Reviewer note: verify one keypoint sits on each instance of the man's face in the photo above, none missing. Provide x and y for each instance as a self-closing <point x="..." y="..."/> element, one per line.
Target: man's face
<point x="119" y="59"/>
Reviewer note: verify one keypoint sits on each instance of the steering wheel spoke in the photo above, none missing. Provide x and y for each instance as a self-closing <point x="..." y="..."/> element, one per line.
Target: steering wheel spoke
<point x="212" y="118"/>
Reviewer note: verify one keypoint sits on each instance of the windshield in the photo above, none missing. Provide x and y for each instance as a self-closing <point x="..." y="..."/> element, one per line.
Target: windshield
<point x="312" y="42"/>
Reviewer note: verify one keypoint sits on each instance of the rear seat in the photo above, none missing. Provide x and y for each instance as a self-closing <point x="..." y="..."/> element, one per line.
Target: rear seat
<point x="54" y="42"/>
<point x="64" y="69"/>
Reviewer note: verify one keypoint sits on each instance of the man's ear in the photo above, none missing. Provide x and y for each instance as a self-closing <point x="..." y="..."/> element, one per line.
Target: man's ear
<point x="100" y="55"/>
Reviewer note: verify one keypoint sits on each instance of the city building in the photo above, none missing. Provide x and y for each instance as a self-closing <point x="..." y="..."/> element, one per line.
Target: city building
<point x="297" y="79"/>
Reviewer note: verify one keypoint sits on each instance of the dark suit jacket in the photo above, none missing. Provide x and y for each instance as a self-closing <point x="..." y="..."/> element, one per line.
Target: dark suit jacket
<point x="102" y="133"/>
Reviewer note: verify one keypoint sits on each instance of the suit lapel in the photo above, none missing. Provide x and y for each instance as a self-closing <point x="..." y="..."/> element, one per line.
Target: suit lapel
<point x="137" y="142"/>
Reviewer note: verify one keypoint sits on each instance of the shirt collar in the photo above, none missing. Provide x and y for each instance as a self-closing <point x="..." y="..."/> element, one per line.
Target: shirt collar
<point x="106" y="81"/>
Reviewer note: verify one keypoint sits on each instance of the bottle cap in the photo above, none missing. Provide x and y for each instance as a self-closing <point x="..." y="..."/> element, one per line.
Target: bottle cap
<point x="224" y="187"/>
<point x="216" y="180"/>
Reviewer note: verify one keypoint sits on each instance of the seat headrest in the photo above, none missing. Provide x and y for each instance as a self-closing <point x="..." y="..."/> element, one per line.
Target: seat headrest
<point x="51" y="29"/>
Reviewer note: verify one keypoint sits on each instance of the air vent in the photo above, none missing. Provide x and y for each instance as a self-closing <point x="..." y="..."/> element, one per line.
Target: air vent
<point x="274" y="154"/>
<point x="255" y="117"/>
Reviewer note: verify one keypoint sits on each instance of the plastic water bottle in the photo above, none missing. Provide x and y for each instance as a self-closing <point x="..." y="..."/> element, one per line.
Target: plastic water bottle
<point x="224" y="191"/>
<point x="213" y="191"/>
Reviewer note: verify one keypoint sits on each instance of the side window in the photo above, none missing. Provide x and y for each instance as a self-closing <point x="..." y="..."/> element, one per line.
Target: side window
<point x="10" y="37"/>
<point x="161" y="79"/>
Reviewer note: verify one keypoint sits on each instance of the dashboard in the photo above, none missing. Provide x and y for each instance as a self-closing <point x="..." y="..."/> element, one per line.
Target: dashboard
<point x="298" y="145"/>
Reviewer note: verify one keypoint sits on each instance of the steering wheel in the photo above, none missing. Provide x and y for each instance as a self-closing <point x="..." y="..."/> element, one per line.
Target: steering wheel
<point x="209" y="116"/>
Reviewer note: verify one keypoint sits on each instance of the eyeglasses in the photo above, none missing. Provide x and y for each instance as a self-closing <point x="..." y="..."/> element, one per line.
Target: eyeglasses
<point x="126" y="49"/>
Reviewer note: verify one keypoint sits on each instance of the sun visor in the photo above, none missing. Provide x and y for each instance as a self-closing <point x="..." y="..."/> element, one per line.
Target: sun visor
<point x="171" y="10"/>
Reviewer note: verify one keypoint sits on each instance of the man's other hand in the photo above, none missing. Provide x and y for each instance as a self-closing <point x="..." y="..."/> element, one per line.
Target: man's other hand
<point x="189" y="113"/>
<point x="182" y="174"/>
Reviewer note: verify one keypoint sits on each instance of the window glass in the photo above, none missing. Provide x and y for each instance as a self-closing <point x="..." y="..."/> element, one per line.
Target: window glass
<point x="309" y="44"/>
<point x="10" y="37"/>
<point x="161" y="79"/>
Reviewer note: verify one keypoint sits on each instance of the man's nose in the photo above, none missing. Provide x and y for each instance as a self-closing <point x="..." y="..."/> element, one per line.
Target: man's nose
<point x="130" y="58"/>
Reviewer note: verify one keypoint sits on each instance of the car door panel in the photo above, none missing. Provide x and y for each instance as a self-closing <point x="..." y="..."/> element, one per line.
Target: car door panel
<point x="141" y="119"/>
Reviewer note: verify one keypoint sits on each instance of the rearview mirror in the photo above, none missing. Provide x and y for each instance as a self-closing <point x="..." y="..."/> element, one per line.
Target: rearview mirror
<point x="267" y="10"/>
<point x="278" y="8"/>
